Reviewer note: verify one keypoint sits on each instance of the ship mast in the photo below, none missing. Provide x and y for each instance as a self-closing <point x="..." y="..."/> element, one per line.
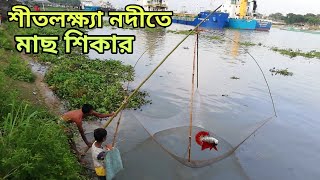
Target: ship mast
<point x="243" y="8"/>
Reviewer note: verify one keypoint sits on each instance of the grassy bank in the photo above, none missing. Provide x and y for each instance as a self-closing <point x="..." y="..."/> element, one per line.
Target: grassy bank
<point x="78" y="80"/>
<point x="32" y="145"/>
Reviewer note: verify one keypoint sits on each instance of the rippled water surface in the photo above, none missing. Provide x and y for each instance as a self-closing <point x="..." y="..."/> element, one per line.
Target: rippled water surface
<point x="286" y="148"/>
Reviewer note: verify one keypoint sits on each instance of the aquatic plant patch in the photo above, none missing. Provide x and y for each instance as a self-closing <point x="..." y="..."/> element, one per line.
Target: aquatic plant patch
<point x="80" y="80"/>
<point x="292" y="53"/>
<point x="185" y="32"/>
<point x="283" y="72"/>
<point x="247" y="44"/>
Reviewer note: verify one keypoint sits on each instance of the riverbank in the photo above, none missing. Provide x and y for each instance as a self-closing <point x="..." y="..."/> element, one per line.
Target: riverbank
<point x="50" y="85"/>
<point x="29" y="136"/>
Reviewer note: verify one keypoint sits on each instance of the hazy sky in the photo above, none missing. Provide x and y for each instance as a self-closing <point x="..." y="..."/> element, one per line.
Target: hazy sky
<point x="264" y="6"/>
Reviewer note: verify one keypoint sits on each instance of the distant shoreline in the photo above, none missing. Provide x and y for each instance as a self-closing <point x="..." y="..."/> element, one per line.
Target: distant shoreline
<point x="315" y="30"/>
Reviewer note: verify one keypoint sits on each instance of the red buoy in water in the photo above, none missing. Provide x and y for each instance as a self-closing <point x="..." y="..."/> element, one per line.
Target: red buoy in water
<point x="204" y="140"/>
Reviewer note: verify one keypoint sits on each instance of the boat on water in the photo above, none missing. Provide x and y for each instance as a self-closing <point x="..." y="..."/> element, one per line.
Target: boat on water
<point x="215" y="21"/>
<point x="234" y="14"/>
<point x="88" y="5"/>
<point x="242" y="15"/>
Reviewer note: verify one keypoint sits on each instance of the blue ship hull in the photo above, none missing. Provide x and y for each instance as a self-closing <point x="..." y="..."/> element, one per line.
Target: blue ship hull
<point x="242" y="24"/>
<point x="215" y="21"/>
<point x="263" y="25"/>
<point x="252" y="24"/>
<point x="92" y="8"/>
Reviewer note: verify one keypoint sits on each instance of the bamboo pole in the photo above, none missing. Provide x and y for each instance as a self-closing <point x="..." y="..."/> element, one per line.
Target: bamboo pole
<point x="191" y="100"/>
<point x="198" y="58"/>
<point x="124" y="104"/>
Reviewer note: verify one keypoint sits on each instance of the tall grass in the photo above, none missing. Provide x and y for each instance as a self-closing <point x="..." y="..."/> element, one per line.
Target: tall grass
<point x="34" y="147"/>
<point x="5" y="41"/>
<point x="19" y="69"/>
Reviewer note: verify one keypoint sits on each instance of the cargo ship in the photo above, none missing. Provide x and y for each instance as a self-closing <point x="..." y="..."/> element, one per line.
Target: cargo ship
<point x="242" y="15"/>
<point x="216" y="21"/>
<point x="88" y="5"/>
<point x="234" y="14"/>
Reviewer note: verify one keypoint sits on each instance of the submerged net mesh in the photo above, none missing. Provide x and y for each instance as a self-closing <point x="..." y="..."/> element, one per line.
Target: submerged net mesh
<point x="166" y="121"/>
<point x="175" y="142"/>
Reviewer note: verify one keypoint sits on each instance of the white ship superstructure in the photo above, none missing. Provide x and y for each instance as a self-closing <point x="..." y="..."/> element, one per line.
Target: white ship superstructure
<point x="153" y="5"/>
<point x="240" y="8"/>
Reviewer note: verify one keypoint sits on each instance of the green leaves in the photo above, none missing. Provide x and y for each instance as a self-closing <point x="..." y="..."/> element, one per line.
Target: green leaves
<point x="18" y="69"/>
<point x="80" y="80"/>
<point x="33" y="146"/>
<point x="292" y="53"/>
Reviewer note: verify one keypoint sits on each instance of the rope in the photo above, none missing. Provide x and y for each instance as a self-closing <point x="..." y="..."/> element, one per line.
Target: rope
<point x="127" y="88"/>
<point x="125" y="102"/>
<point x="265" y="79"/>
<point x="191" y="106"/>
<point x="191" y="100"/>
<point x="120" y="116"/>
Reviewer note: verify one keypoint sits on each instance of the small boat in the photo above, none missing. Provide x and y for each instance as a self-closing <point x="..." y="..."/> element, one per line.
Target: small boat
<point x="88" y="5"/>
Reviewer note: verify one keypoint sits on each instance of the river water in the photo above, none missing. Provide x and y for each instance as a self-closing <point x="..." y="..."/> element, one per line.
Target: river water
<point x="285" y="148"/>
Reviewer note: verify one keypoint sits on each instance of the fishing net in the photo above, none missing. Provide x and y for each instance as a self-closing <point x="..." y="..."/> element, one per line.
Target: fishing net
<point x="226" y="110"/>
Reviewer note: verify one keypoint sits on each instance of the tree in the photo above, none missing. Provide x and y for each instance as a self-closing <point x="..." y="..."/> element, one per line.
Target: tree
<point x="5" y="6"/>
<point x="67" y="2"/>
<point x="277" y="16"/>
<point x="294" y="18"/>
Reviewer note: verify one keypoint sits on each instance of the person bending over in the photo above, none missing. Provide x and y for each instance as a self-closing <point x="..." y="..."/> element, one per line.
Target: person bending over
<point x="76" y="117"/>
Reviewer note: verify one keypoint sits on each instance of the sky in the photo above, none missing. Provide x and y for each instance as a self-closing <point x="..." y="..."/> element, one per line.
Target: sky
<point x="264" y="6"/>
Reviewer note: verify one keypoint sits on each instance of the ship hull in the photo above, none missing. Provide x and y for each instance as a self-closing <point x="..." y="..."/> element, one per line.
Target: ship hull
<point x="215" y="21"/>
<point x="263" y="25"/>
<point x="92" y="8"/>
<point x="242" y="24"/>
<point x="259" y="25"/>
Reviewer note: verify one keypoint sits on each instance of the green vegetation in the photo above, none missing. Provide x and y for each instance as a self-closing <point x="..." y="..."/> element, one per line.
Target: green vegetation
<point x="13" y="65"/>
<point x="50" y="8"/>
<point x="291" y="18"/>
<point x="5" y="42"/>
<point x="77" y="79"/>
<point x="19" y="69"/>
<point x="292" y="53"/>
<point x="283" y="72"/>
<point x="67" y="3"/>
<point x="185" y="32"/>
<point x="217" y="38"/>
<point x="80" y="80"/>
<point x="247" y="44"/>
<point x="32" y="145"/>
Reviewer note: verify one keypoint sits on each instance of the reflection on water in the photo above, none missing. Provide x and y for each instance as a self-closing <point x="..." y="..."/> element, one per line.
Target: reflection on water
<point x="235" y="44"/>
<point x="232" y="109"/>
